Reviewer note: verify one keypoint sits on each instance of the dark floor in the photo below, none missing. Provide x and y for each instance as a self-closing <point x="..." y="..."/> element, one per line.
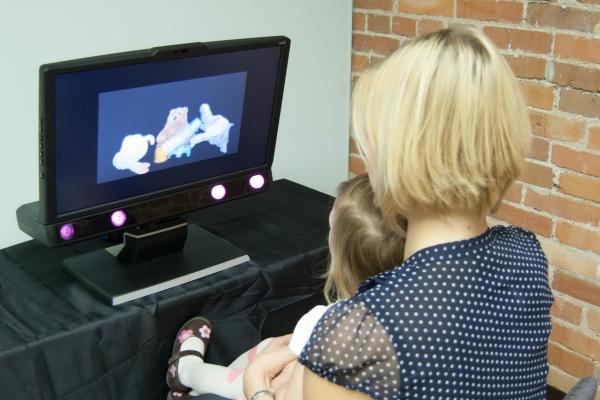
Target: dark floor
<point x="554" y="394"/>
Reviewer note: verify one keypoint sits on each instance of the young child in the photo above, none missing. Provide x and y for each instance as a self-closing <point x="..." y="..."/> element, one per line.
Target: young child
<point x="361" y="245"/>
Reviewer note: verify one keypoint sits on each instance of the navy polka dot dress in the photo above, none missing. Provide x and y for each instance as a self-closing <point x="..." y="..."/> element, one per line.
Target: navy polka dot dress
<point x="461" y="320"/>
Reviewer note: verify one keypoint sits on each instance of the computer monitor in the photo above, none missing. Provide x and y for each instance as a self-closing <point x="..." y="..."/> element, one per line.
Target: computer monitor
<point x="131" y="142"/>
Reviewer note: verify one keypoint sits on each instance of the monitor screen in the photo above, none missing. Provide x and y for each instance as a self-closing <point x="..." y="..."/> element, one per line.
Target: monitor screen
<point x="177" y="122"/>
<point x="135" y="129"/>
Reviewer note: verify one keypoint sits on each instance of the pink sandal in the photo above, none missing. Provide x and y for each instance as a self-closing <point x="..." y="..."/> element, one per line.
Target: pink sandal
<point x="198" y="327"/>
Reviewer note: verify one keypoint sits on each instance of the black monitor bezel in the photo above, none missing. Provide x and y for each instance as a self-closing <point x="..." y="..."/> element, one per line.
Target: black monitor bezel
<point x="47" y="134"/>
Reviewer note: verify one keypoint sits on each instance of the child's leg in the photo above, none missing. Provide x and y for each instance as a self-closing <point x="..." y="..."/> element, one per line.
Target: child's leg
<point x="246" y="358"/>
<point x="216" y="379"/>
<point x="210" y="378"/>
<point x="203" y="378"/>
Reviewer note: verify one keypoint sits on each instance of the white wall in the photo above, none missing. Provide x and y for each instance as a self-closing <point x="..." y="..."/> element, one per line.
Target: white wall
<point x="313" y="130"/>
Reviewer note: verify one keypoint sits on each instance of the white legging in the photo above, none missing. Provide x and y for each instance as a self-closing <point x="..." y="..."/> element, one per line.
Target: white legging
<point x="227" y="381"/>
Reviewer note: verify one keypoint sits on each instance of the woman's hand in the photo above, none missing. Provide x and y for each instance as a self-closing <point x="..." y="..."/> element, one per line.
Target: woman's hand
<point x="267" y="365"/>
<point x="282" y="380"/>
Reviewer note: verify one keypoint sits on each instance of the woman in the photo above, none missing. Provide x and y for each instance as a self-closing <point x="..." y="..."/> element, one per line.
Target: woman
<point x="443" y="131"/>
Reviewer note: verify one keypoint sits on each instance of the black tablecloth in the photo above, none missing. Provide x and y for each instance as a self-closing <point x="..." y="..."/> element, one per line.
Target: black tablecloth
<point x="58" y="341"/>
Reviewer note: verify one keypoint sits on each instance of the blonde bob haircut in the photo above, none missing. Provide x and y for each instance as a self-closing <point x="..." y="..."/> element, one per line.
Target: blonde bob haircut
<point x="441" y="125"/>
<point x="361" y="242"/>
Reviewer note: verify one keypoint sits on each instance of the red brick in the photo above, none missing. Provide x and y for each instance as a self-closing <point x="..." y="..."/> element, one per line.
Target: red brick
<point x="537" y="223"/>
<point x="520" y="39"/>
<point x="577" y="48"/>
<point x="581" y="161"/>
<point x="564" y="207"/>
<point x="536" y="174"/>
<point x="565" y="258"/>
<point x="430" y="25"/>
<point x="578" y="288"/>
<point x="377" y="44"/>
<point x="357" y="165"/>
<point x="566" y="311"/>
<point x="556" y="127"/>
<point x="385" y="5"/>
<point x="514" y="192"/>
<point x="562" y="17"/>
<point x="404" y="26"/>
<point x="560" y="379"/>
<point x="586" y="187"/>
<point x="570" y="362"/>
<point x="527" y="67"/>
<point x="430" y="7"/>
<point x="358" y="21"/>
<point x="594" y="139"/>
<point x="490" y="10"/>
<point x="578" y="102"/>
<point x="378" y="23"/>
<point x="462" y="25"/>
<point x="538" y="95"/>
<point x="577" y="77"/>
<point x="593" y="320"/>
<point x="539" y="149"/>
<point x="359" y="63"/>
<point x="576" y="341"/>
<point x="579" y="237"/>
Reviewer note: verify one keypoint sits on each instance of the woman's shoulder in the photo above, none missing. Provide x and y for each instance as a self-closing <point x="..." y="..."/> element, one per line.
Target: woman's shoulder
<point x="514" y="231"/>
<point x="350" y="347"/>
<point x="500" y="245"/>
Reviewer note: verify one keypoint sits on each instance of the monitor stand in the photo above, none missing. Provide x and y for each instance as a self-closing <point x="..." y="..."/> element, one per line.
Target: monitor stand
<point x="153" y="259"/>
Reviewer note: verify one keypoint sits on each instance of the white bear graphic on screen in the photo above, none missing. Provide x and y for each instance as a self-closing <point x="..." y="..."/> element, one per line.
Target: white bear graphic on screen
<point x="133" y="148"/>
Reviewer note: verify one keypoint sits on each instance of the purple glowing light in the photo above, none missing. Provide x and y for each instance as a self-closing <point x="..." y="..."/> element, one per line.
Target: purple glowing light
<point x="118" y="218"/>
<point x="257" y="181"/>
<point x="67" y="231"/>
<point x="218" y="192"/>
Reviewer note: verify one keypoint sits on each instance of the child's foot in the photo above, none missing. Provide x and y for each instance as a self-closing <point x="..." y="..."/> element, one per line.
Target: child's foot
<point x="188" y="350"/>
<point x="189" y="363"/>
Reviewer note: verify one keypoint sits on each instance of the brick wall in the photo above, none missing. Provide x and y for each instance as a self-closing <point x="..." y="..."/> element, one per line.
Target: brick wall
<point x="553" y="47"/>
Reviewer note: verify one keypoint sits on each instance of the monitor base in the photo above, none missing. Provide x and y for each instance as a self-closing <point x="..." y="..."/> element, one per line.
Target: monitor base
<point x="118" y="282"/>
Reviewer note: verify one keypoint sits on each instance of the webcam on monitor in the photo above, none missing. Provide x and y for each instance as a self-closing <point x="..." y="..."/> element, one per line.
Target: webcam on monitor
<point x="131" y="142"/>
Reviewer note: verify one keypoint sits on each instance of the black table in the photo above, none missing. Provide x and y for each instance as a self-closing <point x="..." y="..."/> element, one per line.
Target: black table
<point x="58" y="341"/>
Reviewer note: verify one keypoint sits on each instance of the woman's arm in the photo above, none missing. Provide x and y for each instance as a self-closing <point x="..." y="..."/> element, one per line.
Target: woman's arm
<point x="317" y="388"/>
<point x="306" y="385"/>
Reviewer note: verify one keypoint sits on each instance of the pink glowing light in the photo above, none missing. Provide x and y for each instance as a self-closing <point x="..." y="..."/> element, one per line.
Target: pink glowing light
<point x="67" y="231"/>
<point x="218" y="192"/>
<point x="257" y="181"/>
<point x="118" y="218"/>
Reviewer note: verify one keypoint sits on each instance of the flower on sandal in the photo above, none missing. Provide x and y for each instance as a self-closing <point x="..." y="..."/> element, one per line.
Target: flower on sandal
<point x="173" y="370"/>
<point x="177" y="394"/>
<point x="204" y="331"/>
<point x="184" y="334"/>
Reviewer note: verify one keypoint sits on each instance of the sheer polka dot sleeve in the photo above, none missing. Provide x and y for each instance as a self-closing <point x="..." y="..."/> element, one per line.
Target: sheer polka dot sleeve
<point x="349" y="347"/>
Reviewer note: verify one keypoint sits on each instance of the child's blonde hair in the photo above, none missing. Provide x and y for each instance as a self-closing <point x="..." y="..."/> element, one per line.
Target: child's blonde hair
<point x="441" y="125"/>
<point x="361" y="242"/>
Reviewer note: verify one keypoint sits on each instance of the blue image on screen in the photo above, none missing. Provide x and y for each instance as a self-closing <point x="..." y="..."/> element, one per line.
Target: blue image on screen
<point x="150" y="128"/>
